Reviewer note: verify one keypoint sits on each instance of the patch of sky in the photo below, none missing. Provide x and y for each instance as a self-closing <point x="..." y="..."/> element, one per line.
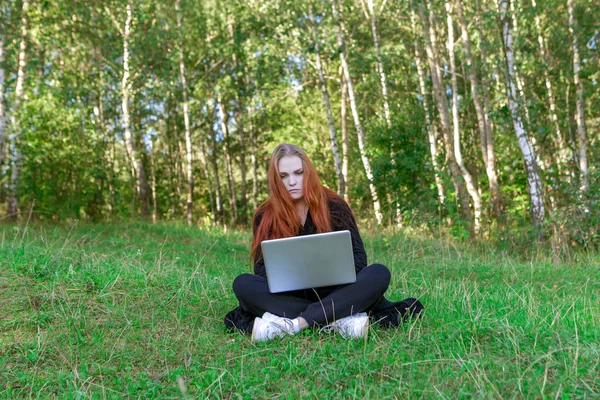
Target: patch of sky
<point x="294" y="62"/>
<point x="593" y="42"/>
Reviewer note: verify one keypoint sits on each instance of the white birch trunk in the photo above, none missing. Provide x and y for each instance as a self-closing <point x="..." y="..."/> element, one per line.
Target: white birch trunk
<point x="533" y="176"/>
<point x="471" y="184"/>
<point x="153" y="185"/>
<point x="228" y="162"/>
<point x="344" y="129"/>
<point x="561" y="144"/>
<point x="581" y="131"/>
<point x="332" y="135"/>
<point x="354" y="108"/>
<point x="136" y="161"/>
<point x="202" y="157"/>
<point x="215" y="167"/>
<point x="442" y="106"/>
<point x="487" y="144"/>
<point x="3" y="133"/>
<point x="186" y="119"/>
<point x="431" y="134"/>
<point x="13" y="195"/>
<point x="253" y="159"/>
<point x="381" y="70"/>
<point x="386" y="105"/>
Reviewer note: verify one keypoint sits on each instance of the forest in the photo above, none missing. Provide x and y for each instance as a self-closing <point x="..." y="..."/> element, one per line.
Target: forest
<point x="478" y="118"/>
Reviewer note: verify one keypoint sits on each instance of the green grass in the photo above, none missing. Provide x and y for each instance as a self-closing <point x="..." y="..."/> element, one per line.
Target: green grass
<point x="136" y="310"/>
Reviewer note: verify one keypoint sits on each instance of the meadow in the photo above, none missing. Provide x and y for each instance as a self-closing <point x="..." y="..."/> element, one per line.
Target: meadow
<point x="136" y="310"/>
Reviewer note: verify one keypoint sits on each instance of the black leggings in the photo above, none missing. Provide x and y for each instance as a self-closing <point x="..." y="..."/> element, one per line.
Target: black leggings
<point x="317" y="306"/>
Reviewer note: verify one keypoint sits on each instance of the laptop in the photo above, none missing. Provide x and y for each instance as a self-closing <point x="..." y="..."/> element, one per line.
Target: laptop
<point x="310" y="261"/>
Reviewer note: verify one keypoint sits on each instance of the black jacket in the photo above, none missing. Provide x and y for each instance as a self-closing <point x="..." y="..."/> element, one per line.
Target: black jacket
<point x="341" y="219"/>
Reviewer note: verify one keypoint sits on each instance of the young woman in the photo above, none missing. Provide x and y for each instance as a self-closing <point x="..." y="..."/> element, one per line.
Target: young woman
<point x="300" y="205"/>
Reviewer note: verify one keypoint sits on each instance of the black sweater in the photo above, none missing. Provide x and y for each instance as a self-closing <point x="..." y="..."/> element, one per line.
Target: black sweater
<point x="341" y="219"/>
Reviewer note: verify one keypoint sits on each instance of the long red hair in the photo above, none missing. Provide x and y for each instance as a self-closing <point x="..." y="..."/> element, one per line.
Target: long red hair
<point x="278" y="212"/>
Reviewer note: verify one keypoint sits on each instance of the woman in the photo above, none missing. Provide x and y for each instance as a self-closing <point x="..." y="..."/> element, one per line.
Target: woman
<point x="300" y="205"/>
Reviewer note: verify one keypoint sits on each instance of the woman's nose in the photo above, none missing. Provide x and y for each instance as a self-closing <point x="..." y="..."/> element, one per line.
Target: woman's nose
<point x="292" y="180"/>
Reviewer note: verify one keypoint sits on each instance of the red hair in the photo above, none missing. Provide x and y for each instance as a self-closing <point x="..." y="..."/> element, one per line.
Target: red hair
<point x="278" y="212"/>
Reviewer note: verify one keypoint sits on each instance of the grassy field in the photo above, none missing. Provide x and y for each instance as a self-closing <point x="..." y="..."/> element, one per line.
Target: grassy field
<point x="136" y="310"/>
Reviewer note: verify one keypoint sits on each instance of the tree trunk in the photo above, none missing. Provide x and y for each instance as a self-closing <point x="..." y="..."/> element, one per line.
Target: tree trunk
<point x="13" y="196"/>
<point x="228" y="163"/>
<point x="471" y="184"/>
<point x="344" y="129"/>
<point x="186" y="119"/>
<point x="533" y="176"/>
<point x="386" y="104"/>
<point x="487" y="143"/>
<point x="431" y="134"/>
<point x="3" y="133"/>
<point x="581" y="131"/>
<point x="381" y="70"/>
<point x="332" y="136"/>
<point x="153" y="184"/>
<point x="442" y="105"/>
<point x="253" y="160"/>
<point x="136" y="161"/>
<point x="102" y="131"/>
<point x="561" y="144"/>
<point x="243" y="213"/>
<point x="354" y="108"/>
<point x="202" y="156"/>
<point x="215" y="167"/>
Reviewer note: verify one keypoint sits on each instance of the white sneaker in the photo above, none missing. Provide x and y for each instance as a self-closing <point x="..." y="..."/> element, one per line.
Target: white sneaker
<point x="353" y="327"/>
<point x="270" y="326"/>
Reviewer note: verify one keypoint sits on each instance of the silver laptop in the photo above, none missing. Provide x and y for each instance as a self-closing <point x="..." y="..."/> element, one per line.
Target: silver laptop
<point x="309" y="261"/>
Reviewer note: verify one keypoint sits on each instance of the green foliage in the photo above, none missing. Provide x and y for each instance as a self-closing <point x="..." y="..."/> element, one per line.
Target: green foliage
<point x="259" y="58"/>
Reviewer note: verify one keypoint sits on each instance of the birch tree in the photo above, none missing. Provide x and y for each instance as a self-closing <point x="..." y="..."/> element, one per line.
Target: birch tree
<point x="253" y="158"/>
<point x="483" y="125"/>
<point x="384" y="93"/>
<point x="215" y="168"/>
<point x="561" y="143"/>
<point x="380" y="69"/>
<point x="186" y="117"/>
<point x="431" y="129"/>
<point x="223" y="121"/>
<point x="533" y="176"/>
<point x="126" y="92"/>
<point x="344" y="129"/>
<point x="3" y="132"/>
<point x="332" y="135"/>
<point x="16" y="158"/>
<point x="442" y="105"/>
<point x="356" y="117"/>
<point x="468" y="177"/>
<point x="581" y="132"/>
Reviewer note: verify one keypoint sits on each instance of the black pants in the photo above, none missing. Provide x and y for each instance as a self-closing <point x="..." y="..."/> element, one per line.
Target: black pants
<point x="317" y="306"/>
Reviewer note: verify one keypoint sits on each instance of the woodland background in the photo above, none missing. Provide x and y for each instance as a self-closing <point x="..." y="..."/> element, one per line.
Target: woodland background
<point x="477" y="118"/>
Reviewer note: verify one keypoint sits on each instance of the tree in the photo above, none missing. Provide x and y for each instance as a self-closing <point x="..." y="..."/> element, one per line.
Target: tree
<point x="468" y="177"/>
<point x="483" y="117"/>
<point x="533" y="175"/>
<point x="186" y="118"/>
<point x="356" y="117"/>
<point x="12" y="210"/>
<point x="581" y="131"/>
<point x="319" y="66"/>
<point x="442" y="105"/>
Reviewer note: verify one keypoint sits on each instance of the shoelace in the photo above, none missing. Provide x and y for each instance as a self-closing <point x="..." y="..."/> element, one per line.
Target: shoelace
<point x="287" y="327"/>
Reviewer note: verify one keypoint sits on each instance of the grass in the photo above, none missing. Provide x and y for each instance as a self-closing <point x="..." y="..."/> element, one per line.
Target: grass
<point x="136" y="310"/>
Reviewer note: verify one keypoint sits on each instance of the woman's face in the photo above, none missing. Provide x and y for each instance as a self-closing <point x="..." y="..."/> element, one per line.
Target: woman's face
<point x="291" y="172"/>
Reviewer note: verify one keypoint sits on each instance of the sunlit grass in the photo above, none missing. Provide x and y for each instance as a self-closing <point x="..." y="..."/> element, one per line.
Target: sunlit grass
<point x="136" y="310"/>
